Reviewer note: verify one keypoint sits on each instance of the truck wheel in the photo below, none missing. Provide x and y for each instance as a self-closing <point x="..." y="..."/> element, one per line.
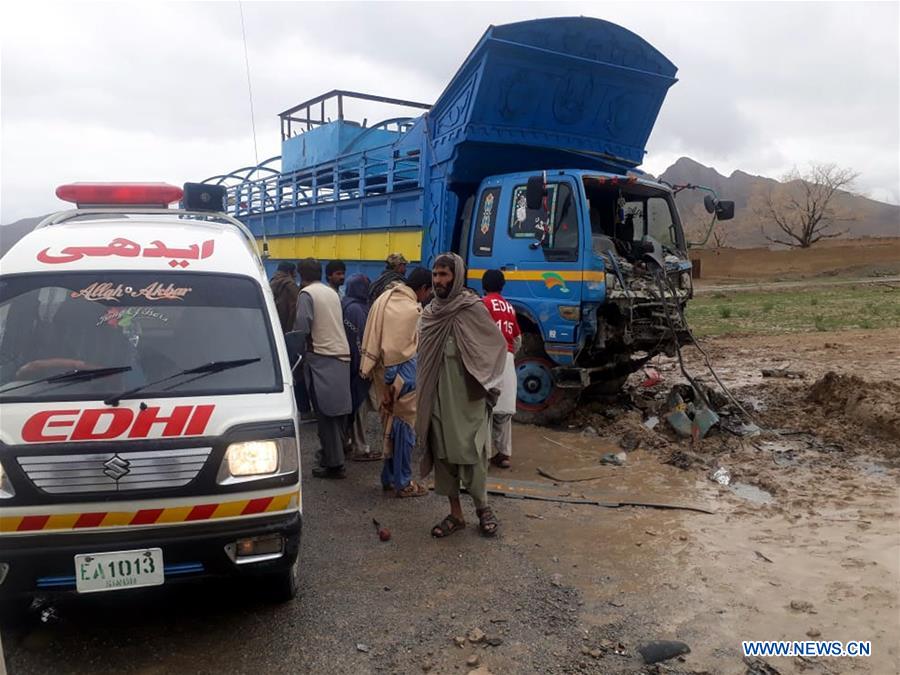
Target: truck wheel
<point x="539" y="401"/>
<point x="283" y="586"/>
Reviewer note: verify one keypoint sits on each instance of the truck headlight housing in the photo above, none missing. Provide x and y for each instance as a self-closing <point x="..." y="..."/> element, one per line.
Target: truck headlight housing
<point x="249" y="460"/>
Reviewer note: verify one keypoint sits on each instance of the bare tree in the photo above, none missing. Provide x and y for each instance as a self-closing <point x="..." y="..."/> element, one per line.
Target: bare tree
<point x="720" y="235"/>
<point x="803" y="206"/>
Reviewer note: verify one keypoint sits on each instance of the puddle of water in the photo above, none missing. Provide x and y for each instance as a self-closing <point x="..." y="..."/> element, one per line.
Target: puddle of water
<point x="752" y="493"/>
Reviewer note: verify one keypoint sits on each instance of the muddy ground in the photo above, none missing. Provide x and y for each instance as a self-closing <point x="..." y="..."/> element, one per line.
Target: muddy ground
<point x="804" y="542"/>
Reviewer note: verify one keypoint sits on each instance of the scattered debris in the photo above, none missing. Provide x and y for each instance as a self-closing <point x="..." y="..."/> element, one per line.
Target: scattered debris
<point x="494" y="641"/>
<point x="813" y="633"/>
<point x="361" y="647"/>
<point x="737" y="428"/>
<point x="614" y="458"/>
<point x="589" y="431"/>
<point x="762" y="557"/>
<point x="476" y="635"/>
<point x="616" y="603"/>
<point x="473" y="661"/>
<point x="802" y="606"/>
<point x="520" y="489"/>
<point x="460" y="641"/>
<point x="535" y="516"/>
<point x="384" y="534"/>
<point x="481" y="670"/>
<point x="722" y="476"/>
<point x="556" y="580"/>
<point x="562" y="445"/>
<point x="662" y="650"/>
<point x="630" y="442"/>
<point x="757" y="666"/>
<point x="751" y="493"/>
<point x="783" y="372"/>
<point x="689" y="419"/>
<point x="650" y="423"/>
<point x="652" y="377"/>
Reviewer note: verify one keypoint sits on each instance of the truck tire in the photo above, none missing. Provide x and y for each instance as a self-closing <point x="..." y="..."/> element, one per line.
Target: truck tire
<point x="539" y="401"/>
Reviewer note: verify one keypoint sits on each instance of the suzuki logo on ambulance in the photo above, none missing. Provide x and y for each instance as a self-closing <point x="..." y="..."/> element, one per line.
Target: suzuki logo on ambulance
<point x="102" y="424"/>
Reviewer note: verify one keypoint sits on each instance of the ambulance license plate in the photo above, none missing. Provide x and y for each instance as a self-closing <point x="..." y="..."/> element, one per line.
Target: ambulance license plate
<point x="118" y="570"/>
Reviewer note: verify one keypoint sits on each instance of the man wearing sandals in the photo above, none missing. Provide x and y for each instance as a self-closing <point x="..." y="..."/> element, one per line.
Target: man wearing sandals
<point x="461" y="360"/>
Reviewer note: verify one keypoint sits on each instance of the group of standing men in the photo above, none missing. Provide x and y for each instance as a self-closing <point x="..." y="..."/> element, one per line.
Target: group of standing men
<point x="434" y="359"/>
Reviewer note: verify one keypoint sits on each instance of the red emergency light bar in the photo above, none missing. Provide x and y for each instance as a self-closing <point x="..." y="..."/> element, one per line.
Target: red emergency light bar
<point x="114" y="194"/>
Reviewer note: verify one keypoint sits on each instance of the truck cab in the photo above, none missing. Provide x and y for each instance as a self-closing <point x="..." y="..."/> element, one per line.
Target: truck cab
<point x="572" y="261"/>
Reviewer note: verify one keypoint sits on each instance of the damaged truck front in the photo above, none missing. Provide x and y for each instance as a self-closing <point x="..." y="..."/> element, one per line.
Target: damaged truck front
<point x="527" y="163"/>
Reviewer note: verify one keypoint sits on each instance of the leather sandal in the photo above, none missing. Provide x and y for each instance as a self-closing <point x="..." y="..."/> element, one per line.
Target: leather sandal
<point x="447" y="526"/>
<point x="487" y="522"/>
<point x="412" y="490"/>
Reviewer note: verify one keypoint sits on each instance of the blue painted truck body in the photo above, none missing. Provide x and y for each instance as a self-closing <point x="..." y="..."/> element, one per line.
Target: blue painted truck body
<point x="572" y="99"/>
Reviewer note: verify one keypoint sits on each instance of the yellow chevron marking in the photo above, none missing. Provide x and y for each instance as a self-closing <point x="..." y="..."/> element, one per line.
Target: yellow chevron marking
<point x="62" y="521"/>
<point x="229" y="509"/>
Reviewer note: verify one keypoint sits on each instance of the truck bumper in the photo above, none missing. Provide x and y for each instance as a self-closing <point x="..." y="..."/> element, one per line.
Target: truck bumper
<point x="45" y="563"/>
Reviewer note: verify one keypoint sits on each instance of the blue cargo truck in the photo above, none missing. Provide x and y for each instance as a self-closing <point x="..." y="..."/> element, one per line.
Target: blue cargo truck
<point x="526" y="163"/>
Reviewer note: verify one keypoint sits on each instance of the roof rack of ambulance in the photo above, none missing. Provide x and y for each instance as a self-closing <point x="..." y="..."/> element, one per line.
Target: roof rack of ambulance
<point x="198" y="201"/>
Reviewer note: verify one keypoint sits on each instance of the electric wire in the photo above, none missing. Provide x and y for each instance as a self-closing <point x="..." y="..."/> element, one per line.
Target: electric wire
<point x="706" y="359"/>
<point x="252" y="128"/>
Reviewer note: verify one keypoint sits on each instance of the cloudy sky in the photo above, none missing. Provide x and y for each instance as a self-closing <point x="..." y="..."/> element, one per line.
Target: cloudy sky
<point x="154" y="91"/>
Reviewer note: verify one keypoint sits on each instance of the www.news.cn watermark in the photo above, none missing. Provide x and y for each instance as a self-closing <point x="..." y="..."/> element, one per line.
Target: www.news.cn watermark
<point x="806" y="648"/>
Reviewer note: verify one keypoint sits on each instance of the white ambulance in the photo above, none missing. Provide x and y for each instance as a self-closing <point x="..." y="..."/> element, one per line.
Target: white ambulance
<point x="148" y="430"/>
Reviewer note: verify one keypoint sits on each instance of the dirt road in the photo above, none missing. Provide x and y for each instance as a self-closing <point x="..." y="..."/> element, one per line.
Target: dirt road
<point x="803" y="544"/>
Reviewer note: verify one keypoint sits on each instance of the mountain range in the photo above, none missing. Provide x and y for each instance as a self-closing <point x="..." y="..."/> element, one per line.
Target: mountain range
<point x="870" y="218"/>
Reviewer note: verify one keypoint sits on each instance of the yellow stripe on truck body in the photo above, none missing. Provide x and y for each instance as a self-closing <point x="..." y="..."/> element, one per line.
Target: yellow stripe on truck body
<point x="373" y="246"/>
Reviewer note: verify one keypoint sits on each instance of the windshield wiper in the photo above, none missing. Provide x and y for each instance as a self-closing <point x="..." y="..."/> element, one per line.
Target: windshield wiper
<point x="73" y="376"/>
<point x="200" y="371"/>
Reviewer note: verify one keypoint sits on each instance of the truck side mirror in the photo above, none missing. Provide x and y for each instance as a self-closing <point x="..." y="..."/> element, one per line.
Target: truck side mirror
<point x="534" y="193"/>
<point x="725" y="210"/>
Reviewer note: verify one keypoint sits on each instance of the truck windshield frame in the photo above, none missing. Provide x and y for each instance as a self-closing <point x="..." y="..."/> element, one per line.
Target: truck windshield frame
<point x="157" y="323"/>
<point x="646" y="217"/>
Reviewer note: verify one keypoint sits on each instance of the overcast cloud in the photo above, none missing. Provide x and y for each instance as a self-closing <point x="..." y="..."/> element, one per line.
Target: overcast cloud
<point x="157" y="91"/>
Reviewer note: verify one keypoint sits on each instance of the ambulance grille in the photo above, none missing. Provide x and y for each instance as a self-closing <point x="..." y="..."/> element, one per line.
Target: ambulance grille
<point x="114" y="471"/>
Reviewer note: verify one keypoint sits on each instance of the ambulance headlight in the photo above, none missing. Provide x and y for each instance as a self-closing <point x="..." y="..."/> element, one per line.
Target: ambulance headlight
<point x="258" y="459"/>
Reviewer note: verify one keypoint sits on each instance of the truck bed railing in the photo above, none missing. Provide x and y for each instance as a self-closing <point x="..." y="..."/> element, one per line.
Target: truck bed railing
<point x="354" y="176"/>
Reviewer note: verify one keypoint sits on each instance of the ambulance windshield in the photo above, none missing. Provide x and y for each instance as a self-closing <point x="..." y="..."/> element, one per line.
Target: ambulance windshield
<point x="90" y="335"/>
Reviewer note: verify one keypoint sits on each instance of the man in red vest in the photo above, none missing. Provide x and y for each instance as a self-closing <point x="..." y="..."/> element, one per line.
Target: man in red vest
<point x="504" y="316"/>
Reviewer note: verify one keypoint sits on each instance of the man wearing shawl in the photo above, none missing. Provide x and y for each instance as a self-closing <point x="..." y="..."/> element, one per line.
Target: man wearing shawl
<point x="355" y="305"/>
<point x="460" y="371"/>
<point x="389" y="358"/>
<point x="394" y="271"/>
